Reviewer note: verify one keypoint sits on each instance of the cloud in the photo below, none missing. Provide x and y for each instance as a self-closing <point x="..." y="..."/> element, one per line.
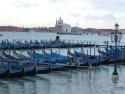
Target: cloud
<point x="108" y="5"/>
<point x="96" y="13"/>
<point x="55" y="1"/>
<point x="25" y="3"/>
<point x="107" y="17"/>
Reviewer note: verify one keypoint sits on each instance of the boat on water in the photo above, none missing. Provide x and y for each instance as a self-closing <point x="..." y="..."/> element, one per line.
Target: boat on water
<point x="111" y="51"/>
<point x="17" y="64"/>
<point x="93" y="61"/>
<point x="16" y="69"/>
<point x="11" y="68"/>
<point x="29" y="66"/>
<point x="55" y="61"/>
<point x="83" y="59"/>
<point x="78" y="59"/>
<point x="41" y="68"/>
<point x="4" y="69"/>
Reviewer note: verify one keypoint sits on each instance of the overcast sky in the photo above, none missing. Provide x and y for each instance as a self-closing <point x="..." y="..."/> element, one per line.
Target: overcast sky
<point x="82" y="13"/>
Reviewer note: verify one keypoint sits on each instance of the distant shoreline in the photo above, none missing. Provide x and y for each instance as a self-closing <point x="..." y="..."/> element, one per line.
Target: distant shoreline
<point x="52" y="29"/>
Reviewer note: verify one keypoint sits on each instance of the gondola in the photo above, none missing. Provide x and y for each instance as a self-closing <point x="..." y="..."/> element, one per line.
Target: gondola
<point x="79" y="54"/>
<point x="55" y="61"/>
<point x="29" y="66"/>
<point x="40" y="68"/>
<point x="83" y="60"/>
<point x="4" y="69"/>
<point x="92" y="60"/>
<point x="20" y="56"/>
<point x="86" y="60"/>
<point x="16" y="69"/>
<point x="43" y="69"/>
<point x="112" y="52"/>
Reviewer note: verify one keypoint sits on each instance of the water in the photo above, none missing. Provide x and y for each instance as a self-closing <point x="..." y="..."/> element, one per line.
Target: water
<point x="96" y="81"/>
<point x="51" y="36"/>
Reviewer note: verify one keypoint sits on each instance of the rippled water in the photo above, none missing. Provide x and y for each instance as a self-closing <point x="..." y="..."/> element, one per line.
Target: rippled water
<point x="51" y="36"/>
<point x="96" y="81"/>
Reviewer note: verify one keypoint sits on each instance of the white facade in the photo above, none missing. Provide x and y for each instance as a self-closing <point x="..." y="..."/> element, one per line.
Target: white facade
<point x="63" y="27"/>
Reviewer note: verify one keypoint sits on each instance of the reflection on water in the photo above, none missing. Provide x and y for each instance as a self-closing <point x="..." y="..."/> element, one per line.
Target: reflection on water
<point x="95" y="81"/>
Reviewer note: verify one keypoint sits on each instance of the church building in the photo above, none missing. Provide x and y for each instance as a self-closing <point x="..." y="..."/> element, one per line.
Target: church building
<point x="61" y="26"/>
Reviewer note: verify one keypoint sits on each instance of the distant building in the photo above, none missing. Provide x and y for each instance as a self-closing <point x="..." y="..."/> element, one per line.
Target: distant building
<point x="62" y="27"/>
<point x="10" y="29"/>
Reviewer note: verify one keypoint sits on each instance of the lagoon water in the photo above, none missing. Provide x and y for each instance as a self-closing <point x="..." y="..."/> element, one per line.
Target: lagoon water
<point x="51" y="36"/>
<point x="96" y="81"/>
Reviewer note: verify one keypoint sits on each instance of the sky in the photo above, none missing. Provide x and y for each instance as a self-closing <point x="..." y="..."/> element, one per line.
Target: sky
<point x="81" y="13"/>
